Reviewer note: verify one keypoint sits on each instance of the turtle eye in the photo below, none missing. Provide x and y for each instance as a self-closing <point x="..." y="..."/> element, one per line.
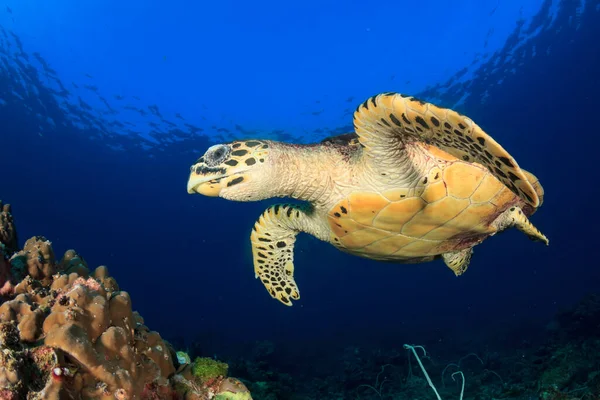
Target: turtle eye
<point x="217" y="155"/>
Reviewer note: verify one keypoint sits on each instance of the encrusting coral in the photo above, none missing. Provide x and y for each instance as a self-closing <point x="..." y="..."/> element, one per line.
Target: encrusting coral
<point x="70" y="333"/>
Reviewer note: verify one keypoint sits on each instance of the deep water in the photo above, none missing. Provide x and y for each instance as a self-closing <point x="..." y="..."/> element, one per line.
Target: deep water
<point x="121" y="201"/>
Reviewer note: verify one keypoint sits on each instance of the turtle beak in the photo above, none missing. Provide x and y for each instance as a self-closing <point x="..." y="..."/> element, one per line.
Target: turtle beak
<point x="192" y="185"/>
<point x="205" y="185"/>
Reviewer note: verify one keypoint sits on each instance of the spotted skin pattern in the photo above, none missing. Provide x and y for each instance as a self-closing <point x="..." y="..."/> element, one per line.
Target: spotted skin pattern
<point x="390" y="117"/>
<point x="458" y="261"/>
<point x="273" y="238"/>
<point x="238" y="154"/>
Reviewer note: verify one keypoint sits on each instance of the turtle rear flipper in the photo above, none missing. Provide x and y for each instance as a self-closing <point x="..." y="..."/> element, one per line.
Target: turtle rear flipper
<point x="515" y="217"/>
<point x="386" y="123"/>
<point x="458" y="261"/>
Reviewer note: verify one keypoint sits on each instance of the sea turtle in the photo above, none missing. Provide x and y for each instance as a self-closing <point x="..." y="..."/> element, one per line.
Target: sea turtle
<point x="414" y="182"/>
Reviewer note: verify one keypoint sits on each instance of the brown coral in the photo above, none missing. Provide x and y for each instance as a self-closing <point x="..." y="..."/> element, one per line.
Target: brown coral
<point x="73" y="262"/>
<point x="69" y="333"/>
<point x="36" y="260"/>
<point x="8" y="245"/>
<point x="25" y="314"/>
<point x="95" y="333"/>
<point x="8" y="232"/>
<point x="66" y="332"/>
<point x="6" y="285"/>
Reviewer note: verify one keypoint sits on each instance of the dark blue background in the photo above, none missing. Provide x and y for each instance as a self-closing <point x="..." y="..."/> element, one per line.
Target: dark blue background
<point x="119" y="197"/>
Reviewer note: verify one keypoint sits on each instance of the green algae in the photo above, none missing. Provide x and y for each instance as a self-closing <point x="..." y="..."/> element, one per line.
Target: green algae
<point x="205" y="368"/>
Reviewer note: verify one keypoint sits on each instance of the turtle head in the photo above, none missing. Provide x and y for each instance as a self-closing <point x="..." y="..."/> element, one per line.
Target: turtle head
<point x="236" y="171"/>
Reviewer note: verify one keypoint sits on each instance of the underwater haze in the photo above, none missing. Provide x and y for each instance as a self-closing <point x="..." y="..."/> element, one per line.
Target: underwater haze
<point x="105" y="105"/>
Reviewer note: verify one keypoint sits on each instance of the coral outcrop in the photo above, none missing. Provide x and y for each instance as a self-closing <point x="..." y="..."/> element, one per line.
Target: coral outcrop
<point x="8" y="245"/>
<point x="67" y="332"/>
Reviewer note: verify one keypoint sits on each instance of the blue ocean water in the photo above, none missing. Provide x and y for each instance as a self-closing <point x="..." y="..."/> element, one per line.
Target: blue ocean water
<point x="105" y="105"/>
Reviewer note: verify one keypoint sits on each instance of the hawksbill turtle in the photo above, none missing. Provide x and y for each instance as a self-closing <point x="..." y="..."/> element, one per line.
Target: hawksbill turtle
<point x="413" y="183"/>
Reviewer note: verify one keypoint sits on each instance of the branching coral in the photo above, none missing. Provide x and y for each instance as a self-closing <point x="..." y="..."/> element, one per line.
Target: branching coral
<point x="66" y="332"/>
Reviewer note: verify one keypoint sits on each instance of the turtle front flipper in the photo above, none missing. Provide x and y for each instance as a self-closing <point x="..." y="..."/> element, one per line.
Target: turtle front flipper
<point x="273" y="238"/>
<point x="386" y="123"/>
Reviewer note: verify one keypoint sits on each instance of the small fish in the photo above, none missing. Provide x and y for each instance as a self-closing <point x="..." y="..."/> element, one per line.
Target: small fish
<point x="9" y="10"/>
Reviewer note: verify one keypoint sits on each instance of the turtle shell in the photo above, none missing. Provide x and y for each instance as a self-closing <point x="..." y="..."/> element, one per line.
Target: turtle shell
<point x="451" y="208"/>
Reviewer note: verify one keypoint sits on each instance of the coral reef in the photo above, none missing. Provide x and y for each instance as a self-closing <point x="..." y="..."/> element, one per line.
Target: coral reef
<point x="265" y="380"/>
<point x="8" y="245"/>
<point x="69" y="332"/>
<point x="562" y="365"/>
<point x="8" y="232"/>
<point x="207" y="368"/>
<point x="569" y="362"/>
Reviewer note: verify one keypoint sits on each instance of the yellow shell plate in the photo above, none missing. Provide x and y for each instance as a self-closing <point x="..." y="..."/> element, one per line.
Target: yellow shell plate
<point x="450" y="210"/>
